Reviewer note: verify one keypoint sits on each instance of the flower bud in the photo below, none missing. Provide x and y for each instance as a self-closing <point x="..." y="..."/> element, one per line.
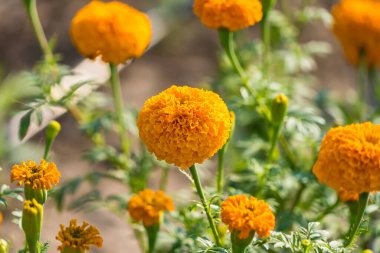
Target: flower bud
<point x="32" y="223"/>
<point x="279" y="109"/>
<point x="367" y="251"/>
<point x="53" y="129"/>
<point x="4" y="247"/>
<point x="40" y="195"/>
<point x="240" y="245"/>
<point x="306" y="243"/>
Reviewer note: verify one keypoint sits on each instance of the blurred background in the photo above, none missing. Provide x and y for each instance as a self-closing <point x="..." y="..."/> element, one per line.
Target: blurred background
<point x="187" y="54"/>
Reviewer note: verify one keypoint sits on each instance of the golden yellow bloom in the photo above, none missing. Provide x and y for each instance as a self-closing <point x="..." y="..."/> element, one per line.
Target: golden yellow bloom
<point x="230" y="14"/>
<point x="113" y="30"/>
<point x="1" y="218"/>
<point x="39" y="176"/>
<point x="77" y="237"/>
<point x="347" y="196"/>
<point x="349" y="158"/>
<point x="149" y="206"/>
<point x="245" y="214"/>
<point x="184" y="125"/>
<point x="357" y="27"/>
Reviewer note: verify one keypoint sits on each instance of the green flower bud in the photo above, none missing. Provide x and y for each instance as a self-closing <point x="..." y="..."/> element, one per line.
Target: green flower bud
<point x="306" y="243"/>
<point x="38" y="194"/>
<point x="4" y="247"/>
<point x="367" y="251"/>
<point x="279" y="109"/>
<point x="32" y="215"/>
<point x="240" y="245"/>
<point x="52" y="131"/>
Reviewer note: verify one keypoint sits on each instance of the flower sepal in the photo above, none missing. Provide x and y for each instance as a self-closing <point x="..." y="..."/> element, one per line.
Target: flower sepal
<point x="70" y="250"/>
<point x="152" y="233"/>
<point x="32" y="215"/>
<point x="240" y="245"/>
<point x="40" y="195"/>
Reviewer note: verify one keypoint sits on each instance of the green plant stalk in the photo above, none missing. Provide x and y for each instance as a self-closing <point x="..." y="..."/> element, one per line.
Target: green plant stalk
<point x="31" y="8"/>
<point x="219" y="184"/>
<point x="226" y="38"/>
<point x="363" y="203"/>
<point x="119" y="109"/>
<point x="265" y="29"/>
<point x="198" y="186"/>
<point x="328" y="210"/>
<point x="152" y="233"/>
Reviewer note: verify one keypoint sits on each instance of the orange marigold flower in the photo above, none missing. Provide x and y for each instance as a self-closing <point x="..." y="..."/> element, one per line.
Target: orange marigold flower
<point x="347" y="196"/>
<point x="357" y="27"/>
<point x="113" y="30"/>
<point x="184" y="125"/>
<point x="79" y="238"/>
<point x="1" y="218"/>
<point x="149" y="206"/>
<point x="349" y="158"/>
<point x="245" y="214"/>
<point x="39" y="176"/>
<point x="230" y="14"/>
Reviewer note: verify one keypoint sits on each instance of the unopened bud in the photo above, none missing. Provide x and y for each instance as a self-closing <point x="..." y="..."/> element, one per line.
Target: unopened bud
<point x="4" y="246"/>
<point x="279" y="109"/>
<point x="53" y="129"/>
<point x="32" y="215"/>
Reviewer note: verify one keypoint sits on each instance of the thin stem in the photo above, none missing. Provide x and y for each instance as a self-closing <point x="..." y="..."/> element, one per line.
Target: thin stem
<point x="219" y="183"/>
<point x="226" y="38"/>
<point x="31" y="8"/>
<point x="265" y="29"/>
<point x="198" y="186"/>
<point x="363" y="203"/>
<point x="297" y="198"/>
<point x="328" y="210"/>
<point x="164" y="178"/>
<point x="119" y="109"/>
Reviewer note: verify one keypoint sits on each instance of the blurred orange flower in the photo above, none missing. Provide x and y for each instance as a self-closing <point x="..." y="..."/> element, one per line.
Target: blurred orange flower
<point x="149" y="206"/>
<point x="357" y="27"/>
<point x="39" y="176"/>
<point x="78" y="237"/>
<point x="245" y="214"/>
<point x="230" y="14"/>
<point x="347" y="196"/>
<point x="184" y="125"/>
<point x="349" y="158"/>
<point x="112" y="30"/>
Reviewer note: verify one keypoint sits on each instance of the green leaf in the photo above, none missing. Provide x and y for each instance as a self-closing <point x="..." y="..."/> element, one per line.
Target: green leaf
<point x="24" y="124"/>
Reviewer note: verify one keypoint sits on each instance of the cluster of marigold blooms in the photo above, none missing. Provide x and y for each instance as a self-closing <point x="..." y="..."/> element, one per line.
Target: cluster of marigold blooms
<point x="185" y="125"/>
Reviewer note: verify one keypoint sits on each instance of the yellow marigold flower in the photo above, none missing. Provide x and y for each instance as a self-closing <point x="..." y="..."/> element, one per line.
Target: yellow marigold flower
<point x="349" y="158"/>
<point x="357" y="27"/>
<point x="184" y="125"/>
<point x="230" y="14"/>
<point x="347" y="196"/>
<point x="39" y="176"/>
<point x="149" y="206"/>
<point x="113" y="30"/>
<point x="79" y="237"/>
<point x="245" y="214"/>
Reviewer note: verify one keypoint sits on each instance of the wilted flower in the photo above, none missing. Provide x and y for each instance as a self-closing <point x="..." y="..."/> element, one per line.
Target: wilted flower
<point x="78" y="238"/>
<point x="149" y="206"/>
<point x="112" y="30"/>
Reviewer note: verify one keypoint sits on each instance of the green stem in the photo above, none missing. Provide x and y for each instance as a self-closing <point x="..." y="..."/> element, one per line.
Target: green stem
<point x="297" y="198"/>
<point x="328" y="210"/>
<point x="33" y="247"/>
<point x="363" y="203"/>
<point x="164" y="178"/>
<point x="219" y="183"/>
<point x="31" y="8"/>
<point x="152" y="233"/>
<point x="119" y="109"/>
<point x="226" y="38"/>
<point x="265" y="28"/>
<point x="198" y="186"/>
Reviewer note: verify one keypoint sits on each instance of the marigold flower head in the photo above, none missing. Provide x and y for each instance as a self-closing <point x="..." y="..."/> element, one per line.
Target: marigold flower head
<point x="357" y="27"/>
<point x="347" y="196"/>
<point x="149" y="206"/>
<point x="230" y="14"/>
<point x="243" y="214"/>
<point x="112" y="30"/>
<point x="79" y="237"/>
<point x="184" y="125"/>
<point x="1" y="218"/>
<point x="38" y="176"/>
<point x="349" y="158"/>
